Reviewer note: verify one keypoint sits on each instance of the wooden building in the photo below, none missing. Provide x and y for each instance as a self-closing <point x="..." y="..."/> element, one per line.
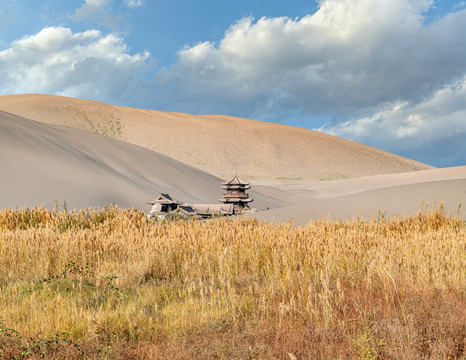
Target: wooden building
<point x="235" y="201"/>
<point x="163" y="204"/>
<point x="235" y="194"/>
<point x="188" y="210"/>
<point x="212" y="210"/>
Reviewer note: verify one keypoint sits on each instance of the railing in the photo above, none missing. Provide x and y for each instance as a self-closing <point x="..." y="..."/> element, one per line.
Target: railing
<point x="241" y="196"/>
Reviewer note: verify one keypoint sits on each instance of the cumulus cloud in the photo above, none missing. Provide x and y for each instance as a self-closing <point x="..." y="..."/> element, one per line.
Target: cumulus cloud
<point x="350" y="56"/>
<point x="57" y="61"/>
<point x="363" y="59"/>
<point x="434" y="128"/>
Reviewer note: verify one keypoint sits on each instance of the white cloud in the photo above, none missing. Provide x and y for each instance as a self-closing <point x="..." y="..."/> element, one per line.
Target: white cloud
<point x="134" y="3"/>
<point x="102" y="12"/>
<point x="90" y="9"/>
<point x="99" y="12"/>
<point x="439" y="119"/>
<point x="58" y="61"/>
<point x="350" y="56"/>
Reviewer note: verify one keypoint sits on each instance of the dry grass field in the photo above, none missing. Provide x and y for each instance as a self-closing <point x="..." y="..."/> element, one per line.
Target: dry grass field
<point x="107" y="284"/>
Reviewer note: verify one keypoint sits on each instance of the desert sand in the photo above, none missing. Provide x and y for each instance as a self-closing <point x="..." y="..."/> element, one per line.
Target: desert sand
<point x="219" y="145"/>
<point x="44" y="162"/>
<point x="387" y="195"/>
<point x="41" y="164"/>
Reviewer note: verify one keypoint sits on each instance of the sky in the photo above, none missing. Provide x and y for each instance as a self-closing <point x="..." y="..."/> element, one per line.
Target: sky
<point x="387" y="73"/>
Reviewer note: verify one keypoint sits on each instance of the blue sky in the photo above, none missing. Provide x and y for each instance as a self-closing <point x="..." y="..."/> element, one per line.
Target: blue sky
<point x="391" y="74"/>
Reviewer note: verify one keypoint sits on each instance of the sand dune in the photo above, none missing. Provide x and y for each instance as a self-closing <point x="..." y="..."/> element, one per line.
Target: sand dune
<point x="390" y="195"/>
<point x="41" y="164"/>
<point x="334" y="188"/>
<point x="219" y="145"/>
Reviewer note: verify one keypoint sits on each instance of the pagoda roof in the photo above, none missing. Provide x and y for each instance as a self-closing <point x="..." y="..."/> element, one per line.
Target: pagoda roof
<point x="235" y="187"/>
<point x="235" y="200"/>
<point x="235" y="181"/>
<point x="164" y="199"/>
<point x="240" y="196"/>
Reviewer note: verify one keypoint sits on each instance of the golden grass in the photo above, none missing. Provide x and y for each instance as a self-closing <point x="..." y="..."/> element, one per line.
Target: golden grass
<point x="116" y="286"/>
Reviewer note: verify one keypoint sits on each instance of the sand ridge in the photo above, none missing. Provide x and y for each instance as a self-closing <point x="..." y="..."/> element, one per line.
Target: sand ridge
<point x="218" y="144"/>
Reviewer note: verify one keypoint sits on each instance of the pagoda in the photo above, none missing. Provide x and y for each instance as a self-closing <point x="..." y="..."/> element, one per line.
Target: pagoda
<point x="235" y="194"/>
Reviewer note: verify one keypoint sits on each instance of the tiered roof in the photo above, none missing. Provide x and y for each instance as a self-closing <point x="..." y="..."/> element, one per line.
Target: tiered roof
<point x="164" y="199"/>
<point x="235" y="183"/>
<point x="233" y="200"/>
<point x="236" y="191"/>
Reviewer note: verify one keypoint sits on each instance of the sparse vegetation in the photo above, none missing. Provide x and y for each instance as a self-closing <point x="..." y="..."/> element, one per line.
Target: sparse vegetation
<point x="108" y="284"/>
<point x="336" y="176"/>
<point x="289" y="179"/>
<point x="102" y="123"/>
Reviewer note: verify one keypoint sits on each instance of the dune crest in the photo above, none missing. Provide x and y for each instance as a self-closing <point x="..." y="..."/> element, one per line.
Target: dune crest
<point x="218" y="144"/>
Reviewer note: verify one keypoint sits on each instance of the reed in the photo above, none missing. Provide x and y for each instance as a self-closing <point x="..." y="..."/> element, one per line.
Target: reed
<point x="108" y="283"/>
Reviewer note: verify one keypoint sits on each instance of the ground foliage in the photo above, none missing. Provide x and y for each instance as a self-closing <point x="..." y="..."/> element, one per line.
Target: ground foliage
<point x="109" y="284"/>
